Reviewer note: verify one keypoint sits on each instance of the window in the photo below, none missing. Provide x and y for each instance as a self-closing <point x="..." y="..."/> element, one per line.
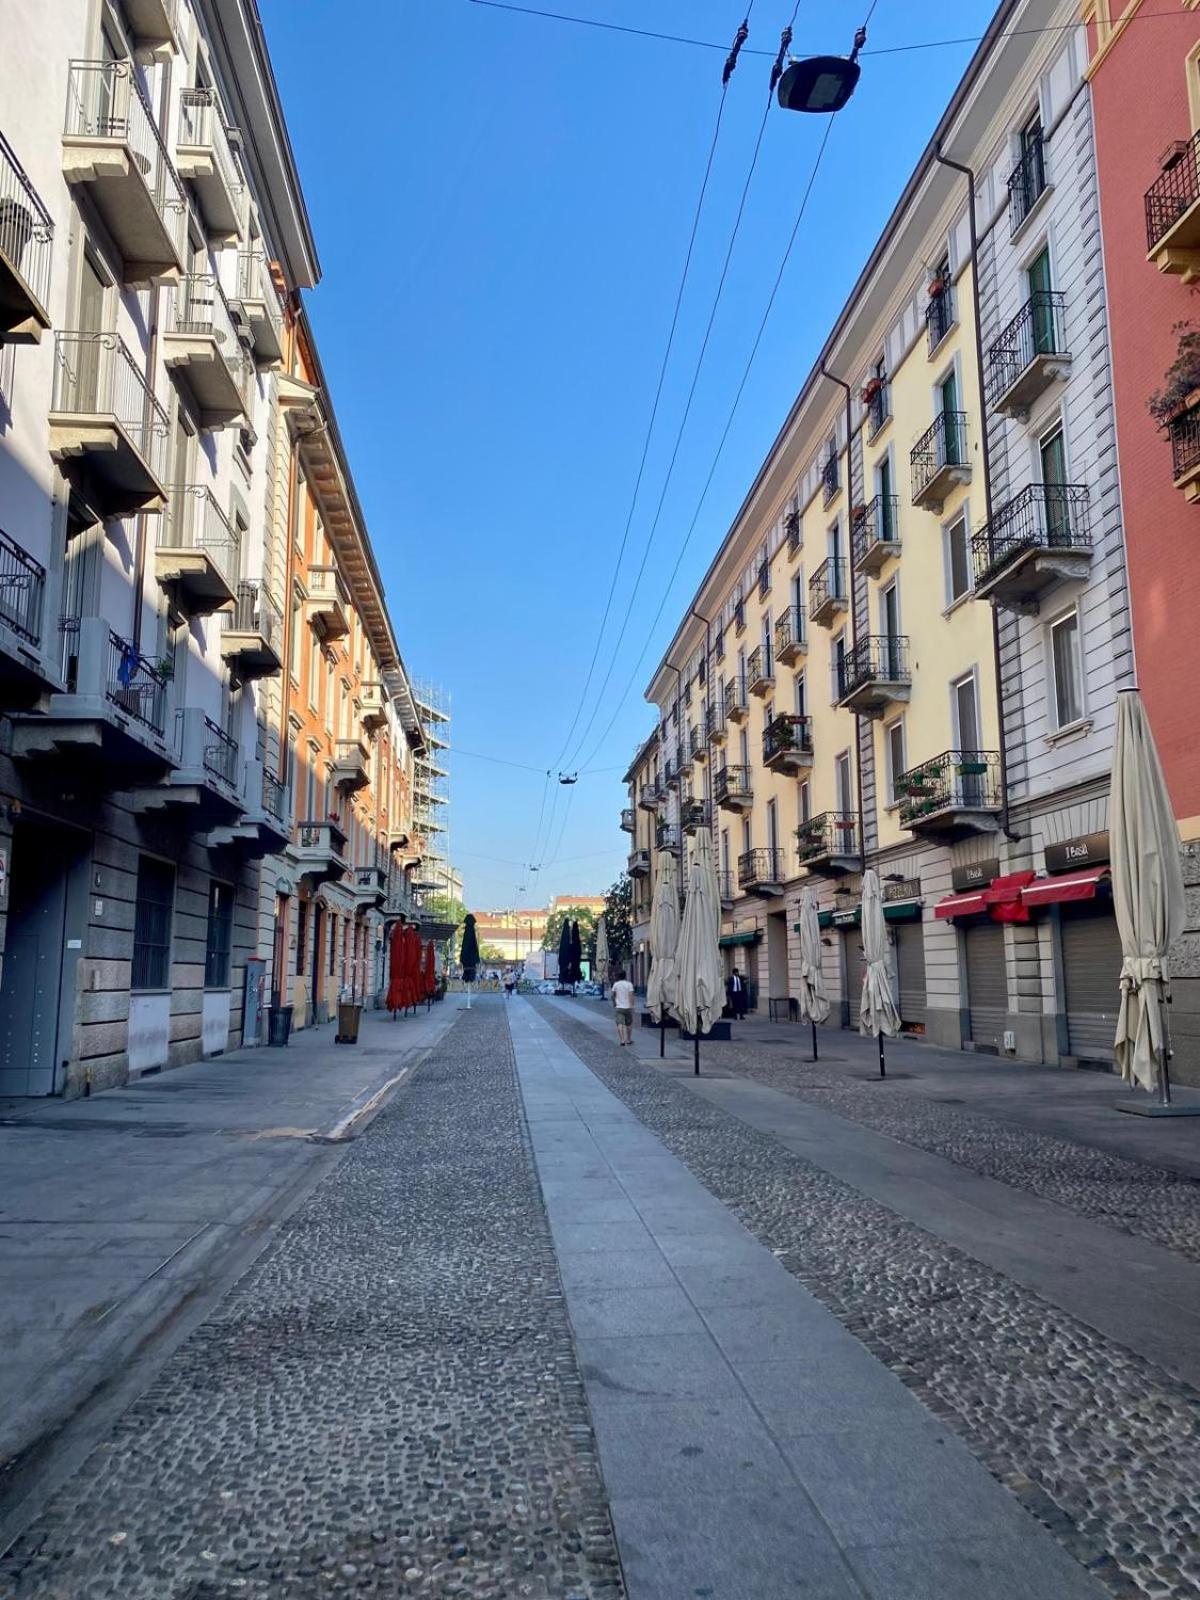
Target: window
<point x="297" y="633"/>
<point x="829" y="470"/>
<point x="843" y="785"/>
<point x="1041" y="303"/>
<point x="1028" y="180"/>
<point x="772" y="826"/>
<point x="805" y="803"/>
<point x="314" y="670"/>
<point x="801" y="694"/>
<point x="766" y="643"/>
<point x="1065" y="664"/>
<point x="953" y="444"/>
<point x="1052" y="463"/>
<point x="152" y="924"/>
<point x="896" y="763"/>
<point x="885" y="530"/>
<point x="838" y="654"/>
<point x="957" y="554"/>
<point x="333" y="937"/>
<point x="220" y="935"/>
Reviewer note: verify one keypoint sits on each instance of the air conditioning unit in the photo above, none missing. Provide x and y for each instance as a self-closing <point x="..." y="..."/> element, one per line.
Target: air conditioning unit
<point x="1010" y="1039"/>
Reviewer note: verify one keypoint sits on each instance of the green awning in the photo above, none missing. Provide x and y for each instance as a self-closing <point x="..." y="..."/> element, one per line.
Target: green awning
<point x="901" y="911"/>
<point x="728" y="940"/>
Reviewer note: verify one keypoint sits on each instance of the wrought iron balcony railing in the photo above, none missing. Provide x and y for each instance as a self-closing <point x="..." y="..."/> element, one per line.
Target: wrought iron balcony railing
<point x="202" y="126"/>
<point x="274" y="796"/>
<point x="830" y="480"/>
<point x="764" y="579"/>
<point x="694" y="815"/>
<point x="1174" y="192"/>
<point x="759" y="668"/>
<point x="22" y="590"/>
<point x="792" y="531"/>
<point x="787" y="732"/>
<point x="831" y="833"/>
<point x="876" y="658"/>
<point x="134" y="685"/>
<point x="196" y="522"/>
<point x="874" y="525"/>
<point x="666" y="836"/>
<point x="733" y="783"/>
<point x="627" y="820"/>
<point x="1044" y="516"/>
<point x="789" y="634"/>
<point x="1027" y="182"/>
<point x="254" y="283"/>
<point x="879" y="407"/>
<point x="828" y="583"/>
<point x="725" y="886"/>
<point x="1184" y="432"/>
<point x="257" y="611"/>
<point x="95" y="375"/>
<point x="734" y="697"/>
<point x="939" y="315"/>
<point x="955" y="780"/>
<point x="1036" y="330"/>
<point x="739" y="617"/>
<point x="220" y="753"/>
<point x="943" y="444"/>
<point x="26" y="228"/>
<point x="760" y="866"/>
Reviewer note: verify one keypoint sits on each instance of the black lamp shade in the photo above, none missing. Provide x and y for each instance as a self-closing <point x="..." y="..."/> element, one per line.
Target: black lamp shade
<point x="818" y="84"/>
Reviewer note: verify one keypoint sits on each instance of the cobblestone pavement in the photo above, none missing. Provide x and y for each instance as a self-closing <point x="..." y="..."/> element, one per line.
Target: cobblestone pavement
<point x="388" y="1404"/>
<point x="1103" y="1447"/>
<point x="1148" y="1201"/>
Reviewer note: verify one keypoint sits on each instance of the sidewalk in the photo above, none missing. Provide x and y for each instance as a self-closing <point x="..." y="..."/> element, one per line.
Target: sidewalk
<point x="750" y="1445"/>
<point x="115" y="1210"/>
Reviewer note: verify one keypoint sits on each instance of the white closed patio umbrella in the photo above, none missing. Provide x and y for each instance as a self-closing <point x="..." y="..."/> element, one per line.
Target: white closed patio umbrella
<point x="877" y="1013"/>
<point x="664" y="940"/>
<point x="602" y="958"/>
<point x="1148" y="898"/>
<point x="814" y="1001"/>
<point x="699" y="980"/>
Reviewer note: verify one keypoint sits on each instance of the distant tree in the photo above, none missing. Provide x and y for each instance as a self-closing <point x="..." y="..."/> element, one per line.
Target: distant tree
<point x="491" y="953"/>
<point x="583" y="915"/>
<point x="446" y="909"/>
<point x="468" y="953"/>
<point x="618" y="919"/>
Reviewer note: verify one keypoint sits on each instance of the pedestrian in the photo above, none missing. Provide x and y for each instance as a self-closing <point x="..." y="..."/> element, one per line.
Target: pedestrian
<point x="510" y="984"/>
<point x="738" y="994"/>
<point x="622" y="999"/>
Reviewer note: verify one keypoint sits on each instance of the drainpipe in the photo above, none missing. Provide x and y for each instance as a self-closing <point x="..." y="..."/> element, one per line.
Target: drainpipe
<point x="958" y="166"/>
<point x="858" y="761"/>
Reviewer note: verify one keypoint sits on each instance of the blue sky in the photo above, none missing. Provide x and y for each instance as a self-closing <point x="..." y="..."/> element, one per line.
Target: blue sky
<point x="502" y="205"/>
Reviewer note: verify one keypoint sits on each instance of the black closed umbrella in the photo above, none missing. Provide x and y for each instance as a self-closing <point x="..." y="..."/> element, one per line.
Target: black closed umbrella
<point x="564" y="955"/>
<point x="576" y="954"/>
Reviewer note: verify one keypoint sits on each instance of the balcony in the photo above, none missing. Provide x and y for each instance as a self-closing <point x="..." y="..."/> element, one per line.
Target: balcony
<point x="22" y="597"/>
<point x="951" y="795"/>
<point x="639" y="864"/>
<point x="698" y="739"/>
<point x="374" y="698"/>
<point x="725" y="889"/>
<point x="400" y="902"/>
<point x="829" y="843"/>
<point x="319" y="852"/>
<point x="206" y="778"/>
<point x="104" y="417"/>
<point x="694" y="816"/>
<point x="1028" y="357"/>
<point x="327" y="603"/>
<point x="761" y="872"/>
<point x="685" y="753"/>
<point x="831" y="485"/>
<point x="940" y="461"/>
<point x="252" y="642"/>
<point x="26" y="242"/>
<point x="739" y="617"/>
<point x="790" y="643"/>
<point x="787" y="744"/>
<point x="650" y="797"/>
<point x="793" y="532"/>
<point x="1173" y="212"/>
<point x="112" y="148"/>
<point x="206" y="161"/>
<point x="874" y="676"/>
<point x="939" y="315"/>
<point x="1039" y="538"/>
<point x="668" y="837"/>
<point x="877" y="403"/>
<point x="670" y="773"/>
<point x="875" y="534"/>
<point x="760" y="675"/>
<point x="201" y="348"/>
<point x="263" y="827"/>
<point x="198" y="554"/>
<point x="258" y="308"/>
<point x="153" y="27"/>
<point x="1026" y="184"/>
<point x="716" y="725"/>
<point x="1184" y="433"/>
<point x="370" y="887"/>
<point x="828" y="592"/>
<point x="733" y="790"/>
<point x="736" y="708"/>
<point x="628" y="820"/>
<point x="113" y="712"/>
<point x="350" y="770"/>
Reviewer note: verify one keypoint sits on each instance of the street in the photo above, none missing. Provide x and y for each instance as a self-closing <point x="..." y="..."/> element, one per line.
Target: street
<point x="558" y="1323"/>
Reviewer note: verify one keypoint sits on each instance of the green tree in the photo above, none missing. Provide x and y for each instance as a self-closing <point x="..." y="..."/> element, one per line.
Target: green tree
<point x="446" y="909"/>
<point x="583" y="915"/>
<point x="491" y="954"/>
<point x="618" y="920"/>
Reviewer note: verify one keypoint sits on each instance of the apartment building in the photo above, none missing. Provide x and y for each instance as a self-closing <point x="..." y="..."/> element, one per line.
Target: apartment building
<point x="641" y="820"/>
<point x="156" y="374"/>
<point x="906" y="651"/>
<point x="1143" y="57"/>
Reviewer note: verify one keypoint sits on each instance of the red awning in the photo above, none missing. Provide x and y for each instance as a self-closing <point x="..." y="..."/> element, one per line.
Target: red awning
<point x="1004" y="897"/>
<point x="962" y="905"/>
<point x="1067" y="886"/>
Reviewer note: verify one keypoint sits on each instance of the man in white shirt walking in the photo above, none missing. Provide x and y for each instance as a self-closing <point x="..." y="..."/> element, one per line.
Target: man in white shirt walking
<point x="622" y="999"/>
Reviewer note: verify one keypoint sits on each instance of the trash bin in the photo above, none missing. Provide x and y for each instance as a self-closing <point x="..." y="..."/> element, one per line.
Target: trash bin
<point x="279" y="1024"/>
<point x="349" y="1016"/>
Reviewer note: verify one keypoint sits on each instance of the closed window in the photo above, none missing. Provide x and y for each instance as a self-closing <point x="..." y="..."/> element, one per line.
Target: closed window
<point x="896" y="763"/>
<point x="220" y="935"/>
<point x="301" y="935"/>
<point x="958" y="560"/>
<point x="1068" y="676"/>
<point x="152" y="924"/>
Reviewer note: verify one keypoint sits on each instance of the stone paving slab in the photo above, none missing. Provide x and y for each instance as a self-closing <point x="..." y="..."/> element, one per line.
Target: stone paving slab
<point x="716" y="1481"/>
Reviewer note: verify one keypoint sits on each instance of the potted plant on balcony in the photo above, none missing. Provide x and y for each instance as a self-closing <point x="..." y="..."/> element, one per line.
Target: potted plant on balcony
<point x="970" y="769"/>
<point x="935" y="286"/>
<point x="1181" y="381"/>
<point x="871" y="390"/>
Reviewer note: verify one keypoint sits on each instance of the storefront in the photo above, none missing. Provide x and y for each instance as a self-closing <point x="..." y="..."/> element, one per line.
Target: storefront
<point x="739" y="952"/>
<point x="902" y="913"/>
<point x="1076" y="893"/>
<point x="982" y="902"/>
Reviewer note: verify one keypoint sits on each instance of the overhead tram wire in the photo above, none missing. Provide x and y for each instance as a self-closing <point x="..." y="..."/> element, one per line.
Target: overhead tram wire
<point x="776" y="70"/>
<point x="723" y="440"/>
<point x="726" y="76"/>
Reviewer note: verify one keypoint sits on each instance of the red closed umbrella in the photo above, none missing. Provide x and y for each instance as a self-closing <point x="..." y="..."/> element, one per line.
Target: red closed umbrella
<point x="430" y="971"/>
<point x="395" y="968"/>
<point x="413" y="968"/>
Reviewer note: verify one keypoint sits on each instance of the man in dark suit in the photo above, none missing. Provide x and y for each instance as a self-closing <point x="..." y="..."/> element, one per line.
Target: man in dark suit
<point x="738" y="995"/>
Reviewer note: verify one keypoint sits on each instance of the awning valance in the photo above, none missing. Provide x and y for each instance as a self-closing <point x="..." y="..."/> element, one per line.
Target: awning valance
<point x="728" y="940"/>
<point x="961" y="905"/>
<point x="893" y="911"/>
<point x="1083" y="885"/>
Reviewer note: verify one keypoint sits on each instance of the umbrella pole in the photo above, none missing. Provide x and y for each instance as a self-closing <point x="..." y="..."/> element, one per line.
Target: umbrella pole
<point x="662" y="1033"/>
<point x="1164" y="1075"/>
<point x="813" y="1022"/>
<point x="882" y="1068"/>
<point x="696" y="1051"/>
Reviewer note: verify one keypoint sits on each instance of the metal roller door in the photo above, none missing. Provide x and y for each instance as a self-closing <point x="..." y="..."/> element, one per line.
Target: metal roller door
<point x="910" y="972"/>
<point x="987" y="985"/>
<point x="852" y="946"/>
<point x="1091" y="952"/>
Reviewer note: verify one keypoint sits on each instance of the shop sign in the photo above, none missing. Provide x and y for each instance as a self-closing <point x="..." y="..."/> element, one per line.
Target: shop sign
<point x="1089" y="850"/>
<point x="907" y="889"/>
<point x="975" y="876"/>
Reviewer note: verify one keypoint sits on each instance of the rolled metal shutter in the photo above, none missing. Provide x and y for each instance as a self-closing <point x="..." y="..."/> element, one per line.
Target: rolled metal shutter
<point x="1091" y="951"/>
<point x="987" y="985"/>
<point x="910" y="971"/>
<point x="855" y="966"/>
